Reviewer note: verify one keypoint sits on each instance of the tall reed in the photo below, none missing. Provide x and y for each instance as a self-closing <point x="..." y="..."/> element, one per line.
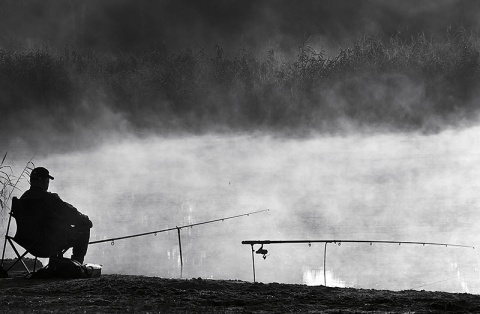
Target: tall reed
<point x="9" y="183"/>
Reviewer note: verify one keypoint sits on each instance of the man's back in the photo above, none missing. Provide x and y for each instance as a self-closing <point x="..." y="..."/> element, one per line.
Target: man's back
<point x="58" y="211"/>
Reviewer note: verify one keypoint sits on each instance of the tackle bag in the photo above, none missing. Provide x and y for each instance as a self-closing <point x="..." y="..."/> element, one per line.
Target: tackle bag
<point x="60" y="267"/>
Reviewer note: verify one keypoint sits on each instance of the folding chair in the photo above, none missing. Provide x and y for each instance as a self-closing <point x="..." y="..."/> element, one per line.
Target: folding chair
<point x="34" y="233"/>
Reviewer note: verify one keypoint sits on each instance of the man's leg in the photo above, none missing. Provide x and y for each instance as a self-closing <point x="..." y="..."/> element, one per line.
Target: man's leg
<point x="80" y="245"/>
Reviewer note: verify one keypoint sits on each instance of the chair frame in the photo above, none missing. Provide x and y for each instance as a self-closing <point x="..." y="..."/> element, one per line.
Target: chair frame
<point x="11" y="241"/>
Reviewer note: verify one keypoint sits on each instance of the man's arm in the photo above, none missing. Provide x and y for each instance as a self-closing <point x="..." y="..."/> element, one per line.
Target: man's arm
<point x="66" y="212"/>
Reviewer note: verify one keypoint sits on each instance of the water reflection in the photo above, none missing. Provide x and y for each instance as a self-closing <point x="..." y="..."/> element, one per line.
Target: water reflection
<point x="388" y="187"/>
<point x="317" y="277"/>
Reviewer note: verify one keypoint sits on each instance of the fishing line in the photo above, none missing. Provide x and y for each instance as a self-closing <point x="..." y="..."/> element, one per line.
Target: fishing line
<point x="475" y="270"/>
<point x="264" y="252"/>
<point x="443" y="280"/>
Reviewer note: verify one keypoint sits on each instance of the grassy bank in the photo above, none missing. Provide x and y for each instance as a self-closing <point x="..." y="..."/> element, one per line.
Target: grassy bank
<point x="136" y="294"/>
<point x="422" y="83"/>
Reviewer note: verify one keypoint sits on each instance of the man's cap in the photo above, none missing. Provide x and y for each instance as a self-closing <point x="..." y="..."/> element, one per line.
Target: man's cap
<point x="40" y="172"/>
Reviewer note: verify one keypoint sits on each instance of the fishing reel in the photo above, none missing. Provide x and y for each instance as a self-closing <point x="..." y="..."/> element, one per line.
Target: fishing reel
<point x="262" y="251"/>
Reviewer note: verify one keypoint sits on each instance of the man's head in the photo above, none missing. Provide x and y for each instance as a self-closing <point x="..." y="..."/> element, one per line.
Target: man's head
<point x="40" y="177"/>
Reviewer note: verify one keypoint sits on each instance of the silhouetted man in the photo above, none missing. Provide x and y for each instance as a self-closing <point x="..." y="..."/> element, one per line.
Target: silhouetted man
<point x="75" y="226"/>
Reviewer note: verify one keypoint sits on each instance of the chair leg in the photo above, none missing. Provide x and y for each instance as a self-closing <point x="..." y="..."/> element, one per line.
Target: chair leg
<point x="6" y="237"/>
<point x="20" y="257"/>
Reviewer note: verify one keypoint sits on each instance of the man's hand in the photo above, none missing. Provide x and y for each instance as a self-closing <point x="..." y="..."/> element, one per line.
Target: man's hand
<point x="86" y="222"/>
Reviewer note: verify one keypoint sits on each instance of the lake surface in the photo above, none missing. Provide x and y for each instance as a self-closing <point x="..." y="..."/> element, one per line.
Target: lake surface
<point x="381" y="187"/>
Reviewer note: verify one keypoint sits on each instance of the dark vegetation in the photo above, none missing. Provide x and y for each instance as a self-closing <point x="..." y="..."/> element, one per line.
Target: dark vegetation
<point x="9" y="183"/>
<point x="136" y="294"/>
<point x="422" y="83"/>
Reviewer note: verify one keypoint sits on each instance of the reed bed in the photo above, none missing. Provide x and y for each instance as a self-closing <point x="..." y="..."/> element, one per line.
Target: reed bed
<point x="422" y="83"/>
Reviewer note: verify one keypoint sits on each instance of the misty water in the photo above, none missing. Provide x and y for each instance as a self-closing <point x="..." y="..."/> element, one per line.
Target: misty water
<point x="399" y="187"/>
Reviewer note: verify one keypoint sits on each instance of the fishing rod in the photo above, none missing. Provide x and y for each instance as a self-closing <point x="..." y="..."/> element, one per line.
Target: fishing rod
<point x="178" y="228"/>
<point x="175" y="228"/>
<point x="351" y="241"/>
<point x="264" y="252"/>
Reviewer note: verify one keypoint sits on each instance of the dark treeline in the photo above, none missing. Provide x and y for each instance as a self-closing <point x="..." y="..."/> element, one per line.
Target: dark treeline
<point x="252" y="24"/>
<point x="416" y="84"/>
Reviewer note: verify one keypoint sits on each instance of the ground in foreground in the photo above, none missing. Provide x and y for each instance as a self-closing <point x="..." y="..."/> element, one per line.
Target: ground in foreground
<point x="137" y="294"/>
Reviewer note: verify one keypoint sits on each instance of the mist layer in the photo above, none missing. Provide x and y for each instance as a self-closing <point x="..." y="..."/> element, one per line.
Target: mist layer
<point x="68" y="98"/>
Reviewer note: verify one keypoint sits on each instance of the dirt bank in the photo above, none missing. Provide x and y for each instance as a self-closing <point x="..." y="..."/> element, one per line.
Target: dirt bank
<point x="138" y="294"/>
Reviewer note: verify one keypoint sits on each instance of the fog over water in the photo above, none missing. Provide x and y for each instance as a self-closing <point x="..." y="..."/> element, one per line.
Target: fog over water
<point x="378" y="187"/>
<point x="397" y="161"/>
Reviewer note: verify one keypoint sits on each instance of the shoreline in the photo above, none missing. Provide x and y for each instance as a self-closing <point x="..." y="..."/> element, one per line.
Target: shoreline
<point x="140" y="294"/>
